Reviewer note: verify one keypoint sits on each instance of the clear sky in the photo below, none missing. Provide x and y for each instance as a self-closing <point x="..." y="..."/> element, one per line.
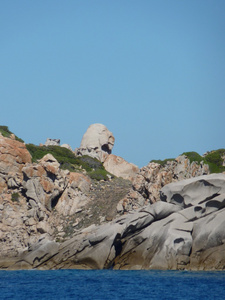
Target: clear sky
<point x="152" y="71"/>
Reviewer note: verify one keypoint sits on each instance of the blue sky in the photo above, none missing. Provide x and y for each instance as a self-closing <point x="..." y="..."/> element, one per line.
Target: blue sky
<point x="152" y="71"/>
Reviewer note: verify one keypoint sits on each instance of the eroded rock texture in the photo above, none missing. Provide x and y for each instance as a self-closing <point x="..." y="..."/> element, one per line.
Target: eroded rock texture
<point x="97" y="142"/>
<point x="150" y="179"/>
<point x="170" y="216"/>
<point x="169" y="234"/>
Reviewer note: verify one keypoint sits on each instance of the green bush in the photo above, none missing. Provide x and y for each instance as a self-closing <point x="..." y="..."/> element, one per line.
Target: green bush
<point x="193" y="156"/>
<point x="91" y="163"/>
<point x="62" y="154"/>
<point x="15" y="197"/>
<point x="213" y="160"/>
<point x="99" y="174"/>
<point x="68" y="161"/>
<point x="162" y="162"/>
<point x="6" y="133"/>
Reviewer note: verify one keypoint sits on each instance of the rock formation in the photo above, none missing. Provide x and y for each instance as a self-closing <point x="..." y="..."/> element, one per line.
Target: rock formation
<point x="166" y="216"/>
<point x="97" y="142"/>
<point x="119" y="167"/>
<point x="52" y="142"/>
<point x="40" y="201"/>
<point x="175" y="233"/>
<point x="150" y="179"/>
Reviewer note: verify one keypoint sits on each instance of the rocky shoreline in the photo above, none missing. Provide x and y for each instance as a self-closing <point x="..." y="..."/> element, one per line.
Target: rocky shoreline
<point x="162" y="216"/>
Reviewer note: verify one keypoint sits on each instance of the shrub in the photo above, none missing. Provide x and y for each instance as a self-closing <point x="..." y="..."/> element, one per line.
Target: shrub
<point x="99" y="174"/>
<point x="162" y="162"/>
<point x="63" y="155"/>
<point x="68" y="161"/>
<point x="6" y="133"/>
<point x="215" y="161"/>
<point x="15" y="197"/>
<point x="193" y="156"/>
<point x="91" y="163"/>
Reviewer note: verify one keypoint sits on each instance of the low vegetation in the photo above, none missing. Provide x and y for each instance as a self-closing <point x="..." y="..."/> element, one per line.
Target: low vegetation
<point x="7" y="133"/>
<point x="213" y="159"/>
<point x="15" y="197"/>
<point x="193" y="156"/>
<point x="162" y="162"/>
<point x="68" y="161"/>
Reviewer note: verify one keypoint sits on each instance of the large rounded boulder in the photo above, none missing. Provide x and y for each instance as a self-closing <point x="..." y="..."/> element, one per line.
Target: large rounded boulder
<point x="97" y="142"/>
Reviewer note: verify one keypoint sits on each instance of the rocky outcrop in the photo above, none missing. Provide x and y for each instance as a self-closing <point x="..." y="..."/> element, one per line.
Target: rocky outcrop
<point x="169" y="234"/>
<point x="67" y="146"/>
<point x="74" y="197"/>
<point x="44" y="183"/>
<point x="119" y="167"/>
<point x="150" y="179"/>
<point x="97" y="142"/>
<point x="41" y="201"/>
<point x="52" y="142"/>
<point x="13" y="157"/>
<point x="171" y="216"/>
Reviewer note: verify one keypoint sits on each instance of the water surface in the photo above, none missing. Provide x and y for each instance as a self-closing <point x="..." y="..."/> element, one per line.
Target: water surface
<point x="111" y="284"/>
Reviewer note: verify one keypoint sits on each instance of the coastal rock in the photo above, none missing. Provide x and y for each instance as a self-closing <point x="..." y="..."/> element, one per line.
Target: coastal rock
<point x="164" y="235"/>
<point x="13" y="157"/>
<point x="97" y="142"/>
<point x="44" y="183"/>
<point x="154" y="176"/>
<point x="52" y="218"/>
<point x="194" y="191"/>
<point x="119" y="167"/>
<point x="74" y="197"/>
<point x="150" y="179"/>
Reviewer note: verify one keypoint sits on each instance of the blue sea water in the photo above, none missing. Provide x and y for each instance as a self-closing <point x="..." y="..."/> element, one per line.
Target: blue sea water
<point x="111" y="284"/>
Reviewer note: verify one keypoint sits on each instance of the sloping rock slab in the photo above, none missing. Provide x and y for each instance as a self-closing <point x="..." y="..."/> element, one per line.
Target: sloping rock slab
<point x="187" y="234"/>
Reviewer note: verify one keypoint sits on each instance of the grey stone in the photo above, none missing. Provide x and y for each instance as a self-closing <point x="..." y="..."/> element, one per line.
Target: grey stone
<point x="194" y="191"/>
<point x="52" y="142"/>
<point x="97" y="142"/>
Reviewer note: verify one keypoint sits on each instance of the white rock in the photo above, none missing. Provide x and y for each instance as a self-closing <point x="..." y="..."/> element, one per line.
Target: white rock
<point x="119" y="167"/>
<point x="97" y="142"/>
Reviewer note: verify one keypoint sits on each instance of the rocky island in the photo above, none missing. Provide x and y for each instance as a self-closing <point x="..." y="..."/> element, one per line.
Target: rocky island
<point x="91" y="209"/>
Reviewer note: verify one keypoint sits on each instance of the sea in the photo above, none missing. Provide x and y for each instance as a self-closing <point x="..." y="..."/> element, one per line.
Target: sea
<point x="111" y="284"/>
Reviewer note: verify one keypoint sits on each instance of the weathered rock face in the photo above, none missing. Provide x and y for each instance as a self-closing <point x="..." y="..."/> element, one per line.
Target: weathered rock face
<point x="74" y="197"/>
<point x="52" y="142"/>
<point x="150" y="179"/>
<point x="44" y="183"/>
<point x="39" y="201"/>
<point x="195" y="191"/>
<point x="13" y="157"/>
<point x="119" y="167"/>
<point x="97" y="142"/>
<point x="46" y="213"/>
<point x="164" y="235"/>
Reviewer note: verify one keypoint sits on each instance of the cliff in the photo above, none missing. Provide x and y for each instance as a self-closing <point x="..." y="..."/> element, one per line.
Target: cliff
<point x="60" y="209"/>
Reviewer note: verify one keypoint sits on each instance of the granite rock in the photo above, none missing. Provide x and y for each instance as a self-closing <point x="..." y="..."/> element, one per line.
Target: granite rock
<point x="97" y="142"/>
<point x="119" y="167"/>
<point x="164" y="235"/>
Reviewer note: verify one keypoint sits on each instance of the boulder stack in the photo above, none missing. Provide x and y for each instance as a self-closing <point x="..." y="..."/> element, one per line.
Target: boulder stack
<point x="97" y="142"/>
